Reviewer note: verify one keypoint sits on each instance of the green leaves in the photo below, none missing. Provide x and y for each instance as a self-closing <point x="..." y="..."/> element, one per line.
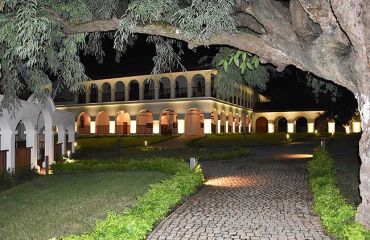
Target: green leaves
<point x="240" y="59"/>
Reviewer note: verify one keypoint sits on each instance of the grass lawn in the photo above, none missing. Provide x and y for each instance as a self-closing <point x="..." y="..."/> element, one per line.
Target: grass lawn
<point x="344" y="150"/>
<point x="61" y="205"/>
<point x="245" y="140"/>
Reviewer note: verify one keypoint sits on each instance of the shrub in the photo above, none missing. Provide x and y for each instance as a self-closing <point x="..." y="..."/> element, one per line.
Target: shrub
<point x="337" y="215"/>
<point x="137" y="222"/>
<point x="9" y="179"/>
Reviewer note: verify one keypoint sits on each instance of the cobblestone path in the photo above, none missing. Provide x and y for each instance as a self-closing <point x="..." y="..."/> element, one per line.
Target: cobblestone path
<point x="263" y="196"/>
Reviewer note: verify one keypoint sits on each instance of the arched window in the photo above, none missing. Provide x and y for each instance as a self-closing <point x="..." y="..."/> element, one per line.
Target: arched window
<point x="198" y="86"/>
<point x="134" y="90"/>
<point x="106" y="95"/>
<point x="181" y="87"/>
<point x="164" y="88"/>
<point x="94" y="93"/>
<point x="119" y="91"/>
<point x="149" y="89"/>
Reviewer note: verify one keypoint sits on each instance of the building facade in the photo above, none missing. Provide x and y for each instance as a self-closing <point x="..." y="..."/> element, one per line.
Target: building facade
<point x="178" y="103"/>
<point x="171" y="103"/>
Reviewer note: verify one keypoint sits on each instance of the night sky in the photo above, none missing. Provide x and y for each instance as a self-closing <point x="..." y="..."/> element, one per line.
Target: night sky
<point x="287" y="90"/>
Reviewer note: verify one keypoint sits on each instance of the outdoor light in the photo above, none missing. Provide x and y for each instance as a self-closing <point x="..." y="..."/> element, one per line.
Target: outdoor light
<point x="75" y="144"/>
<point x="69" y="154"/>
<point x="145" y="143"/>
<point x="287" y="136"/>
<point x="315" y="131"/>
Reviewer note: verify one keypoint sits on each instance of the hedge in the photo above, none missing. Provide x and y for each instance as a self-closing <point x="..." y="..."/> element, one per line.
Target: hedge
<point x="337" y="215"/>
<point x="153" y="206"/>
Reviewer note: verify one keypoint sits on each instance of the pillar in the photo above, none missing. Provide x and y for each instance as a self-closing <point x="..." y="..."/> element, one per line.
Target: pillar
<point x="331" y="127"/>
<point x="291" y="127"/>
<point x="92" y="127"/>
<point x="226" y="126"/>
<point x="208" y="87"/>
<point x="75" y="97"/>
<point x="189" y="86"/>
<point x="88" y="94"/>
<point x="72" y="138"/>
<point x="49" y="145"/>
<point x="310" y="127"/>
<point x="100" y="95"/>
<point x="141" y="93"/>
<point x="173" y="90"/>
<point x="233" y="127"/>
<point x="112" y="127"/>
<point x="133" y="125"/>
<point x="127" y="93"/>
<point x="8" y="143"/>
<point x="271" y="127"/>
<point x="112" y="95"/>
<point x="62" y="140"/>
<point x="156" y="89"/>
<point x="31" y="140"/>
<point x="181" y="123"/>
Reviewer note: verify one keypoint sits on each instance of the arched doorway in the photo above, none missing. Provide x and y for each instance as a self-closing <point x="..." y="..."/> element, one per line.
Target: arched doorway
<point x="261" y="125"/>
<point x="148" y="89"/>
<point x="119" y="91"/>
<point x="194" y="122"/>
<point x="102" y="123"/>
<point x="282" y="125"/>
<point x="214" y="121"/>
<point x="123" y="123"/>
<point x="144" y="123"/>
<point x="22" y="152"/>
<point x="198" y="86"/>
<point x="230" y="121"/>
<point x="83" y="123"/>
<point x="301" y="125"/>
<point x="181" y="87"/>
<point x="164" y="88"/>
<point x="106" y="94"/>
<point x="134" y="90"/>
<point x="168" y="122"/>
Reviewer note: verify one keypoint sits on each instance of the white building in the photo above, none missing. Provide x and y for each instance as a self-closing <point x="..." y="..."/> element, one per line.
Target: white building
<point x="35" y="131"/>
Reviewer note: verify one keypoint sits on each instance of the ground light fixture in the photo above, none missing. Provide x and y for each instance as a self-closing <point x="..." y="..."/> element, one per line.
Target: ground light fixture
<point x="145" y="143"/>
<point x="69" y="154"/>
<point x="75" y="144"/>
<point x="287" y="136"/>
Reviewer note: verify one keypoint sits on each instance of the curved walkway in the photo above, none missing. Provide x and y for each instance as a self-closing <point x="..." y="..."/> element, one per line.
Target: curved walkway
<point x="263" y="196"/>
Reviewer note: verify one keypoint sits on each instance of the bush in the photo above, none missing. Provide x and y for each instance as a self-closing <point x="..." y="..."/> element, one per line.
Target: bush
<point x="9" y="179"/>
<point x="137" y="222"/>
<point x="337" y="215"/>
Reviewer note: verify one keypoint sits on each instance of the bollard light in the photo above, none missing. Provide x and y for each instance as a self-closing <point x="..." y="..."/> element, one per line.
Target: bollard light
<point x="68" y="154"/>
<point x="322" y="143"/>
<point x="192" y="163"/>
<point x="287" y="136"/>
<point x="75" y="144"/>
<point x="145" y="143"/>
<point x="315" y="131"/>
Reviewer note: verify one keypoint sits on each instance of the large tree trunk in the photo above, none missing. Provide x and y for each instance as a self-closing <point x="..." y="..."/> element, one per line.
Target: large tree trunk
<point x="363" y="212"/>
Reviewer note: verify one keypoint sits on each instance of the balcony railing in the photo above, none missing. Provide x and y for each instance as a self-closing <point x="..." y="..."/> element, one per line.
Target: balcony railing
<point x="181" y="92"/>
<point x="119" y="96"/>
<point x="93" y="98"/>
<point x="106" y="97"/>
<point x="134" y="96"/>
<point x="165" y="93"/>
<point x="149" y="94"/>
<point x="198" y="91"/>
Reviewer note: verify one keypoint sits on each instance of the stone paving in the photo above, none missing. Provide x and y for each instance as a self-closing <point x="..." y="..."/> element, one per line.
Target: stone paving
<point x="264" y="196"/>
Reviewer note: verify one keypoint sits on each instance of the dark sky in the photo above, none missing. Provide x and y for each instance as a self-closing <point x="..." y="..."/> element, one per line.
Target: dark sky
<point x="286" y="89"/>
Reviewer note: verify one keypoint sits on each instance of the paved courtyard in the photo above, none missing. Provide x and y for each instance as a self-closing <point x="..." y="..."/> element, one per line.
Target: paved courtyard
<point x="263" y="196"/>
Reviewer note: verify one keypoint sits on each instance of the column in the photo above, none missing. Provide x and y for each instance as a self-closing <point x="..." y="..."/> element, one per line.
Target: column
<point x="233" y="127"/>
<point x="227" y="126"/>
<point x="100" y="95"/>
<point x="156" y="89"/>
<point x="189" y="88"/>
<point x="71" y="138"/>
<point x="181" y="123"/>
<point x="49" y="145"/>
<point x="112" y="97"/>
<point x="62" y="140"/>
<point x="291" y="127"/>
<point x="75" y="97"/>
<point x="208" y="85"/>
<point x="31" y="139"/>
<point x="8" y="143"/>
<point x="207" y="123"/>
<point x="141" y="93"/>
<point x="127" y="93"/>
<point x="156" y="124"/>
<point x="218" y="126"/>
<point x="133" y="125"/>
<point x="112" y="125"/>
<point x="310" y="127"/>
<point x="88" y="94"/>
<point x="173" y="88"/>
<point x="92" y="124"/>
<point x="271" y="127"/>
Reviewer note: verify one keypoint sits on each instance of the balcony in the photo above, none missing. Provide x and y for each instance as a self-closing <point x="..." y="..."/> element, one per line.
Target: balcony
<point x="93" y="98"/>
<point x="106" y="97"/>
<point x="119" y="96"/>
<point x="181" y="92"/>
<point x="149" y="94"/>
<point x="165" y="93"/>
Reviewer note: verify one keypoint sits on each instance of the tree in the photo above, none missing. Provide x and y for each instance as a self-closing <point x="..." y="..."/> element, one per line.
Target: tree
<point x="329" y="38"/>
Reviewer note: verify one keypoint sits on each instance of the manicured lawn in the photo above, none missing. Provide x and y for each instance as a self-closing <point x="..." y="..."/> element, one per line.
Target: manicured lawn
<point x="112" y="142"/>
<point x="244" y="140"/>
<point x="65" y="204"/>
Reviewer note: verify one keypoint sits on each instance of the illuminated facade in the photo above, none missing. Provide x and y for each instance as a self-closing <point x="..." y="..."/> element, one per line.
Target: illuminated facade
<point x="177" y="103"/>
